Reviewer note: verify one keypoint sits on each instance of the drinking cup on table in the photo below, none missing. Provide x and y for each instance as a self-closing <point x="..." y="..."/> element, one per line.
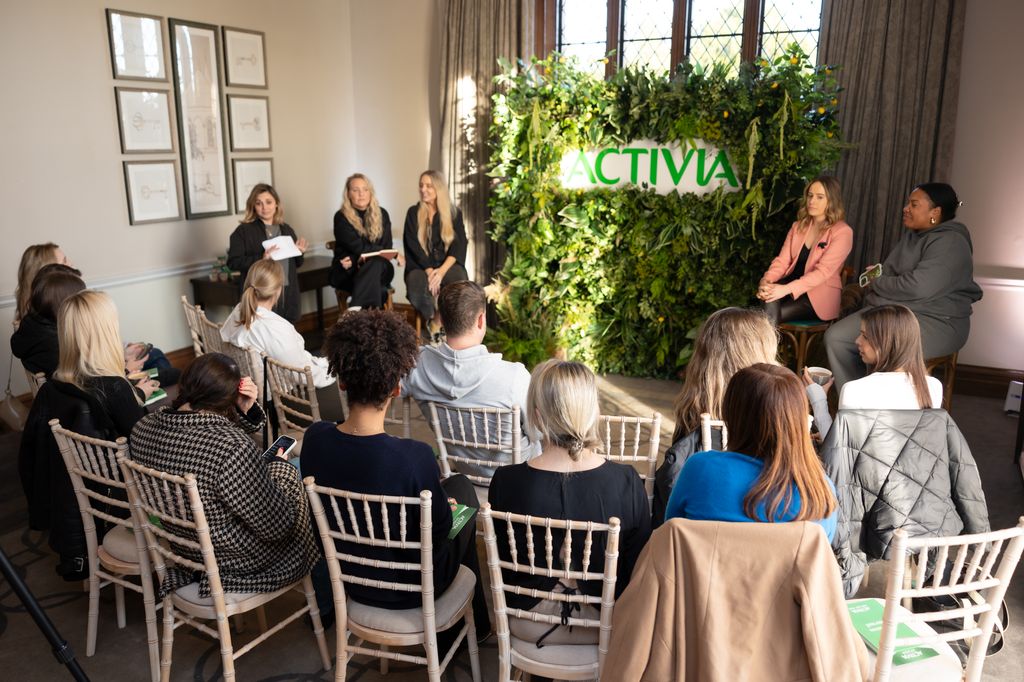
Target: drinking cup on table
<point x="819" y="375"/>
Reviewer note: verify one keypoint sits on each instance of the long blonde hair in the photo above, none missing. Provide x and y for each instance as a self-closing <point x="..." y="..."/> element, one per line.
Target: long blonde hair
<point x="834" y="211"/>
<point x="89" y="338"/>
<point x="34" y="258"/>
<point x="765" y="409"/>
<point x="729" y="340"/>
<point x="373" y="228"/>
<point x="561" y="405"/>
<point x="444" y="209"/>
<point x="264" y="281"/>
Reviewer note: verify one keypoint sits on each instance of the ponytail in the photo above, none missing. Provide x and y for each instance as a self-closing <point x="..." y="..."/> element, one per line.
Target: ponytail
<point x="264" y="280"/>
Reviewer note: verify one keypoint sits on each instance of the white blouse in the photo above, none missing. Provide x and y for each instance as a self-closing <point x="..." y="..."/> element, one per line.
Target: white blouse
<point x="276" y="337"/>
<point x="886" y="391"/>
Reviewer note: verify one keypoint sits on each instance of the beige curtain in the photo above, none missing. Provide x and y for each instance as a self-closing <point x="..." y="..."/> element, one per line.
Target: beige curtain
<point x="474" y="34"/>
<point x="900" y="64"/>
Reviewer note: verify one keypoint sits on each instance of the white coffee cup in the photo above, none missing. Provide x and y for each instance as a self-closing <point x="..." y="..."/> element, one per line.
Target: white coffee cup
<point x="819" y="375"/>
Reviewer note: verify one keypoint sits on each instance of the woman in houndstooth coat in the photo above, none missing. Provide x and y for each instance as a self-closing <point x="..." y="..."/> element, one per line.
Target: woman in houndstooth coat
<point x="256" y="509"/>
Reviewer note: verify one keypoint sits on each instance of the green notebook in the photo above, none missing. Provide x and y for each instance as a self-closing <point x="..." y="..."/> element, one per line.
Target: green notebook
<point x="157" y="395"/>
<point x="460" y="515"/>
<point x="866" y="615"/>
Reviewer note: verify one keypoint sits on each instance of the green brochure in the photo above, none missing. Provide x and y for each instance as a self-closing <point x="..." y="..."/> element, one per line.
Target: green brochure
<point x="460" y="515"/>
<point x="866" y="615"/>
<point x="157" y="395"/>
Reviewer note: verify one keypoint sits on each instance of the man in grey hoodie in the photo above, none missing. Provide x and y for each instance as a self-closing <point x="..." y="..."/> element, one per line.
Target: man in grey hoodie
<point x="461" y="372"/>
<point x="930" y="271"/>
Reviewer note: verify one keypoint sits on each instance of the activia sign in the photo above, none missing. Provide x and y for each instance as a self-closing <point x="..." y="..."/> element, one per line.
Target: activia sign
<point x="696" y="169"/>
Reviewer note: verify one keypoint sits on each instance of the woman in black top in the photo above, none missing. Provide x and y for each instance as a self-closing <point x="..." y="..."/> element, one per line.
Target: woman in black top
<point x="568" y="480"/>
<point x="264" y="220"/>
<point x="362" y="226"/>
<point x="435" y="246"/>
<point x="34" y="342"/>
<point x="90" y="395"/>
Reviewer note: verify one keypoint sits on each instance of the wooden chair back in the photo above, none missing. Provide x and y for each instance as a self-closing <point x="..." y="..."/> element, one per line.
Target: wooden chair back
<point x="707" y="424"/>
<point x="195" y="329"/>
<point x="210" y="334"/>
<point x="973" y="574"/>
<point x="294" y="396"/>
<point x="552" y="562"/>
<point x="400" y="415"/>
<point x="35" y="381"/>
<point x="250" y="362"/>
<point x="631" y="440"/>
<point x="475" y="433"/>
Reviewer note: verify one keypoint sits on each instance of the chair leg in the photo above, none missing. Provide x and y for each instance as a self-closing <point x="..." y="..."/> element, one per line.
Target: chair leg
<point x="801" y="351"/>
<point x="168" y="642"/>
<point x="239" y="623"/>
<point x="261" y="619"/>
<point x="149" y="606"/>
<point x="227" y="651"/>
<point x="119" y="605"/>
<point x="384" y="662"/>
<point x="94" y="611"/>
<point x="474" y="652"/>
<point x="318" y="627"/>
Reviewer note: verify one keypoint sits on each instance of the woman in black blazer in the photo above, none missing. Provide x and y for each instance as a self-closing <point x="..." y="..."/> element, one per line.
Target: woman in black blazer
<point x="435" y="246"/>
<point x="361" y="226"/>
<point x="264" y="220"/>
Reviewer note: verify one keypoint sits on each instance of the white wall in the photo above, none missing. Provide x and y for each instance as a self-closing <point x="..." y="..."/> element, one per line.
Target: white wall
<point x="392" y="76"/>
<point x="62" y="180"/>
<point x="988" y="174"/>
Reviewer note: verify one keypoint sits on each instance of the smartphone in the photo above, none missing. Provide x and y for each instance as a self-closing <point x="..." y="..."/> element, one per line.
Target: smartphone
<point x="287" y="443"/>
<point x="870" y="274"/>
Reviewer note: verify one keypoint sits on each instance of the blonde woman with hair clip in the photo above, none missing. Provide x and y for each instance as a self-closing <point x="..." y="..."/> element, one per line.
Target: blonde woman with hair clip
<point x="254" y="324"/>
<point x="264" y="219"/>
<point x="729" y="340"/>
<point x="804" y="281"/>
<point x="361" y="227"/>
<point x="570" y="479"/>
<point x="435" y="245"/>
<point x="89" y="394"/>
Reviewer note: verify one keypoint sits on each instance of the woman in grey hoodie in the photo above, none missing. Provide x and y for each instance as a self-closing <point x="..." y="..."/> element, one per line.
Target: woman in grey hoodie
<point x="930" y="271"/>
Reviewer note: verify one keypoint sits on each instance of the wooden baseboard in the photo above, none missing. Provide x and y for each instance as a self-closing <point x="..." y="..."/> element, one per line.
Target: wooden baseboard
<point x="984" y="382"/>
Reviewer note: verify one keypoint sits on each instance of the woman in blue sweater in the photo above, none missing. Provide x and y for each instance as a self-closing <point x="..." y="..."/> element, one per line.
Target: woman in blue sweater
<point x="771" y="474"/>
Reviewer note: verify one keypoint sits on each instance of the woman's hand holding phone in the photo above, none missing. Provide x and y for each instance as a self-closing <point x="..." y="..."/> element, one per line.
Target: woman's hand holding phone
<point x="247" y="394"/>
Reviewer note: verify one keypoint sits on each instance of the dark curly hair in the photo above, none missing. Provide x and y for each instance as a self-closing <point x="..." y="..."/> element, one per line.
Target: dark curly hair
<point x="371" y="351"/>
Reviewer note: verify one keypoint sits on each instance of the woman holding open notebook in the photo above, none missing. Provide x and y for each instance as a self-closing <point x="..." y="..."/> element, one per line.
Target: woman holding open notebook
<point x="363" y="246"/>
<point x="264" y="220"/>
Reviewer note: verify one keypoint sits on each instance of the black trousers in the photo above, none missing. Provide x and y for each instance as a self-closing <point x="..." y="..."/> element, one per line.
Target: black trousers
<point x="418" y="293"/>
<point x="786" y="309"/>
<point x="367" y="283"/>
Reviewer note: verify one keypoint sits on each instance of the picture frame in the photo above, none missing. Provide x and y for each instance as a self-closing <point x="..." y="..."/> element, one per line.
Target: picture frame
<point x="250" y="123"/>
<point x="152" y="190"/>
<point x="136" y="46"/>
<point x="144" y="120"/>
<point x="195" y="62"/>
<point x="248" y="173"/>
<point x="245" y="62"/>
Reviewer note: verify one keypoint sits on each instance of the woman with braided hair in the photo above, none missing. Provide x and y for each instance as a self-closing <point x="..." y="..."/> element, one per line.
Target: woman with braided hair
<point x="570" y="480"/>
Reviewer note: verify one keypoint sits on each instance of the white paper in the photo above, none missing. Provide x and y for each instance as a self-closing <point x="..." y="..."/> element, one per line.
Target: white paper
<point x="286" y="247"/>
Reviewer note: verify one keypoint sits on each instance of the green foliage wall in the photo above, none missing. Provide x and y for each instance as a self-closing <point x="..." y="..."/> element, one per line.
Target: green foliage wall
<point x="620" y="279"/>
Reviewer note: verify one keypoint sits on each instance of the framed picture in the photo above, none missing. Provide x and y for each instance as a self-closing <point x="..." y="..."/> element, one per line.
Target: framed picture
<point x="194" y="55"/>
<point x="250" y="123"/>
<point x="249" y="173"/>
<point x="244" y="60"/>
<point x="136" y="45"/>
<point x="152" y="188"/>
<point x="144" y="119"/>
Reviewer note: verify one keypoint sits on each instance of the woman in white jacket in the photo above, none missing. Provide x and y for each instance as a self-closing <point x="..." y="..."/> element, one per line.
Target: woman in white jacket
<point x="254" y="324"/>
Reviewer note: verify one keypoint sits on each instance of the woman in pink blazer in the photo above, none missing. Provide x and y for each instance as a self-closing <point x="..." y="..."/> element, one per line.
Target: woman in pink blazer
<point x="803" y="282"/>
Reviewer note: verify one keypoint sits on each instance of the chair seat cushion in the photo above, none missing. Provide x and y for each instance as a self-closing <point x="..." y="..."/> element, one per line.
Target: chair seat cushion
<point x="190" y="593"/>
<point x="579" y="656"/>
<point x="410" y="621"/>
<point x="806" y="325"/>
<point x="119" y="543"/>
